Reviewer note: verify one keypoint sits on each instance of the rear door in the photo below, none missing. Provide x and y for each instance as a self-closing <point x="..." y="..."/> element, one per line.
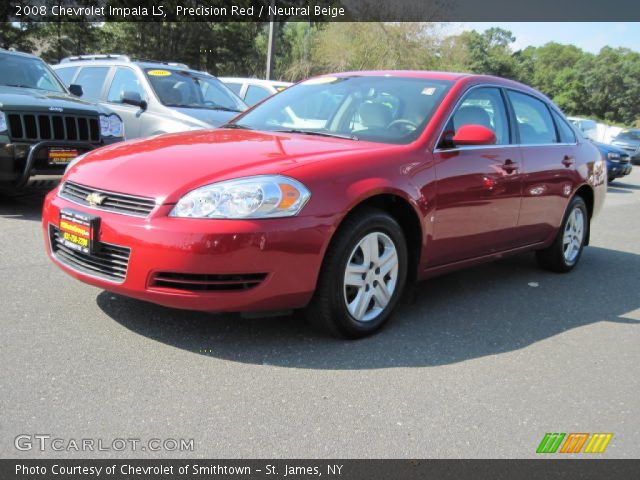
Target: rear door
<point x="549" y="149"/>
<point x="478" y="187"/>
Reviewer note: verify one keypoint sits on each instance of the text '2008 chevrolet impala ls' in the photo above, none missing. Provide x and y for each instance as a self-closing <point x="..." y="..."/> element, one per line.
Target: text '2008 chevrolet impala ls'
<point x="331" y="195"/>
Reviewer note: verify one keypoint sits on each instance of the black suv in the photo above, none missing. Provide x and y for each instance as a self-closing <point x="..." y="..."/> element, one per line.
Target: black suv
<point x="43" y="125"/>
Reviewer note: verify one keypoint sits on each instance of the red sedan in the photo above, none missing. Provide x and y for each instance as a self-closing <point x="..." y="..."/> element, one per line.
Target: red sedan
<point x="331" y="195"/>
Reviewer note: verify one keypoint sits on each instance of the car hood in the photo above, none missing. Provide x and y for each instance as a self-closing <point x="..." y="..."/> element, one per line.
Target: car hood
<point x="605" y="147"/>
<point x="206" y="117"/>
<point x="167" y="166"/>
<point x="16" y="99"/>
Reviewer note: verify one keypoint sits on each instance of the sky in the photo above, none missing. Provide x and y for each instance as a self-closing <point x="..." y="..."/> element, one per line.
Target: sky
<point x="590" y="36"/>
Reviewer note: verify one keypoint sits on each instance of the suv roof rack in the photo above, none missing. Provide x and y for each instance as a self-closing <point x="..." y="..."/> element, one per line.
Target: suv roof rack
<point x="97" y="56"/>
<point x="121" y="57"/>
<point x="161" y="62"/>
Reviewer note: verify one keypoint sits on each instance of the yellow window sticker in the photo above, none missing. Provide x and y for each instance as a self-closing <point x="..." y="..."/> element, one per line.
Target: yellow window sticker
<point x="159" y="73"/>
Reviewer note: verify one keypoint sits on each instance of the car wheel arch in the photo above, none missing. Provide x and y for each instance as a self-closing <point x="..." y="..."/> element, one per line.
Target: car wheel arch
<point x="403" y="211"/>
<point x="586" y="193"/>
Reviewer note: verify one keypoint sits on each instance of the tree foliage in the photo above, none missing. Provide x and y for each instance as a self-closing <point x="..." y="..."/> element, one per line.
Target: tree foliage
<point x="605" y="85"/>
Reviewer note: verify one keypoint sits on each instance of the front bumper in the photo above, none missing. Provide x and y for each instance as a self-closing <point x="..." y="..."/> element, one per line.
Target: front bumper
<point x="617" y="170"/>
<point x="20" y="161"/>
<point x="288" y="250"/>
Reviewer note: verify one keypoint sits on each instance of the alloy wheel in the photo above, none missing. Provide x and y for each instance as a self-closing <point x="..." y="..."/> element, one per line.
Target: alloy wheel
<point x="371" y="276"/>
<point x="573" y="235"/>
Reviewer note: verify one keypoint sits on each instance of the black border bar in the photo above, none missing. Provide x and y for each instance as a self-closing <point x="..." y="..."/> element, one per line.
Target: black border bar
<point x="582" y="468"/>
<point x="319" y="10"/>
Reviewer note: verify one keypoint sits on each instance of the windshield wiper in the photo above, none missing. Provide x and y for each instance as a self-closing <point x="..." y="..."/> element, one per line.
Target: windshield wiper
<point x="19" y="85"/>
<point x="320" y="134"/>
<point x="201" y="107"/>
<point x="236" y="126"/>
<point x="224" y="109"/>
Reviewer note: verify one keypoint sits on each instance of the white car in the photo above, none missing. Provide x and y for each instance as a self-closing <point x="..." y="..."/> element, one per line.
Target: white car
<point x="587" y="126"/>
<point x="253" y="90"/>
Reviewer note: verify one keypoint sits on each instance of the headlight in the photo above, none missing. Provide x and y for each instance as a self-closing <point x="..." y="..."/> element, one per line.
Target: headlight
<point x="613" y="156"/>
<point x="264" y="196"/>
<point x="111" y="126"/>
<point x="74" y="161"/>
<point x="3" y="122"/>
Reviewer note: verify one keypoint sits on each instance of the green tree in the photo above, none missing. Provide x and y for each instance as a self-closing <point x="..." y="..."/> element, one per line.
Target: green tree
<point x="553" y="70"/>
<point x="490" y="52"/>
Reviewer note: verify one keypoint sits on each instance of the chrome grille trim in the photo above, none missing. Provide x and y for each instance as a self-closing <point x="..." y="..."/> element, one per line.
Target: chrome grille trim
<point x="121" y="203"/>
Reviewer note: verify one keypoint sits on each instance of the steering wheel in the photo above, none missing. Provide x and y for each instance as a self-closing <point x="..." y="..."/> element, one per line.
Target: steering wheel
<point x="408" y="124"/>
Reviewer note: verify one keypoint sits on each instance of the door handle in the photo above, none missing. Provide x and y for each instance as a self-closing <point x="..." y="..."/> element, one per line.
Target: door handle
<point x="509" y="166"/>
<point x="567" y="161"/>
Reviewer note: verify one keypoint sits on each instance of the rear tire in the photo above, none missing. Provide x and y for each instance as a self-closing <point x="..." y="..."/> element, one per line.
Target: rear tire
<point x="362" y="276"/>
<point x="565" y="251"/>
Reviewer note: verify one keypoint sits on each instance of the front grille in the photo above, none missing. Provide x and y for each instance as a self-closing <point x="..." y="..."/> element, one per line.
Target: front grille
<point x="207" y="282"/>
<point x="113" y="202"/>
<point x="43" y="126"/>
<point x="109" y="262"/>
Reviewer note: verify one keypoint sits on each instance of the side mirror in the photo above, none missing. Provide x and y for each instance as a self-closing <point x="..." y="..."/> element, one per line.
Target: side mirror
<point x="474" y="135"/>
<point x="76" y="89"/>
<point x="133" y="98"/>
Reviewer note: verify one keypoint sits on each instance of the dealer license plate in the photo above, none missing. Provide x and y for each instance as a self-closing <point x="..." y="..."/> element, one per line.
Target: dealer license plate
<point x="78" y="230"/>
<point x="61" y="156"/>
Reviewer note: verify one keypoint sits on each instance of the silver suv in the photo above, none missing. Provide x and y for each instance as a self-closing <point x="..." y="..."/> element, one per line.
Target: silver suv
<point x="151" y="97"/>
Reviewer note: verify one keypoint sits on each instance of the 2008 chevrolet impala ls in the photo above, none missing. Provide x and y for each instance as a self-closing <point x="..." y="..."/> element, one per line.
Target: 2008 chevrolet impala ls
<point x="331" y="195"/>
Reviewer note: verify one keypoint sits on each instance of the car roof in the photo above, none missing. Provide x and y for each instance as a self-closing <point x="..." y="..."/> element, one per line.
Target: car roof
<point x="468" y="78"/>
<point x="255" y="81"/>
<point x="19" y="54"/>
<point x="107" y="62"/>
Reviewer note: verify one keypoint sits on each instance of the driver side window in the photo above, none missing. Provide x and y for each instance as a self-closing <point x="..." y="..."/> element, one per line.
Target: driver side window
<point x="125" y="80"/>
<point x="482" y="106"/>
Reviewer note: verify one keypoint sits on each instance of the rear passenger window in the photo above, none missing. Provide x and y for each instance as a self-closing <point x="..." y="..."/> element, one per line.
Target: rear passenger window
<point x="66" y="74"/>
<point x="534" y="120"/>
<point x="92" y="79"/>
<point x="255" y="95"/>
<point x="234" y="87"/>
<point x="564" y="130"/>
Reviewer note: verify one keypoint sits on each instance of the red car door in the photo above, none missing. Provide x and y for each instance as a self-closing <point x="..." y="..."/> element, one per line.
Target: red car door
<point x="548" y="153"/>
<point x="478" y="187"/>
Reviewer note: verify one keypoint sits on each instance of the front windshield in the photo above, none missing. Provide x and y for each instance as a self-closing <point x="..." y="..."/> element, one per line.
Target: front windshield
<point x="379" y="109"/>
<point x="180" y="88"/>
<point x="629" y="135"/>
<point x="27" y="72"/>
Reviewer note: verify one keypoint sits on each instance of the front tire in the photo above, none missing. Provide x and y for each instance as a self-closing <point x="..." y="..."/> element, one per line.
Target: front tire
<point x="362" y="277"/>
<point x="565" y="251"/>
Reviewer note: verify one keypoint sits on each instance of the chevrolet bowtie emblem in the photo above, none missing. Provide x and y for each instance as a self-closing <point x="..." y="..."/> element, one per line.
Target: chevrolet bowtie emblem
<point x="94" y="198"/>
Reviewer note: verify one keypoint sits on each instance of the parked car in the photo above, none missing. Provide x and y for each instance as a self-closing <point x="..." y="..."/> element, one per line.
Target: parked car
<point x="152" y="97"/>
<point x="629" y="140"/>
<point x="254" y="90"/>
<point x="43" y="126"/>
<point x="587" y="126"/>
<point x="411" y="175"/>
<point x="618" y="161"/>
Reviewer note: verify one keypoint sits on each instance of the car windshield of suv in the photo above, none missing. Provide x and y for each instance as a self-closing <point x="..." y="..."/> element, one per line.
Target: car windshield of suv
<point x="633" y="135"/>
<point x="180" y="88"/>
<point x="379" y="109"/>
<point x="27" y="72"/>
